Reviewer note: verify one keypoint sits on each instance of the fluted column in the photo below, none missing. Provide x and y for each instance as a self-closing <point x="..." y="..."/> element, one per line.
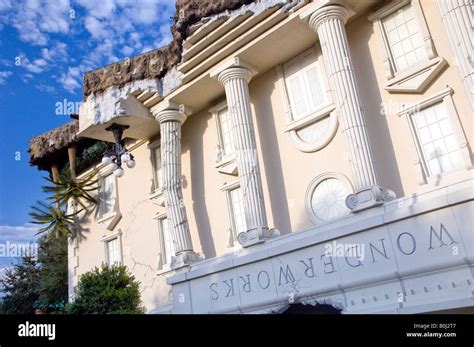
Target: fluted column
<point x="235" y="78"/>
<point x="329" y="23"/>
<point x="457" y="19"/>
<point x="170" y="121"/>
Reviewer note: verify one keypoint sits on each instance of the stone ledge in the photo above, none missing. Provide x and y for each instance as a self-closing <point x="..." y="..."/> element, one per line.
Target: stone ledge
<point x="353" y="224"/>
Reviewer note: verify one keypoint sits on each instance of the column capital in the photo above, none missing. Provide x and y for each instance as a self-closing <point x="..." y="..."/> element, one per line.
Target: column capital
<point x="170" y="112"/>
<point x="326" y="13"/>
<point x="233" y="68"/>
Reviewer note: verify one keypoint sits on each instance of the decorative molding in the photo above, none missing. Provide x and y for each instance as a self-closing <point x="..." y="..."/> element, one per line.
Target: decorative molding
<point x="368" y="198"/>
<point x="387" y="9"/>
<point x="233" y="68"/>
<point x="158" y="197"/>
<point x="417" y="78"/>
<point x="312" y="187"/>
<point x="425" y="102"/>
<point x="228" y="166"/>
<point x="106" y="238"/>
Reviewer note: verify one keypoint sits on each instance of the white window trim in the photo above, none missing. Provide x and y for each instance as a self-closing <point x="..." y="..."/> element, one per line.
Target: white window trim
<point x="445" y="96"/>
<point x="110" y="219"/>
<point x="106" y="238"/>
<point x="232" y="241"/>
<point x="162" y="268"/>
<point x="325" y="110"/>
<point x="312" y="186"/>
<point x="156" y="194"/>
<point x="225" y="164"/>
<point x="433" y="62"/>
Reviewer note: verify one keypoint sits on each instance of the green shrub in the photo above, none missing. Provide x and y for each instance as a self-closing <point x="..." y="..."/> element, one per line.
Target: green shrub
<point x="107" y="290"/>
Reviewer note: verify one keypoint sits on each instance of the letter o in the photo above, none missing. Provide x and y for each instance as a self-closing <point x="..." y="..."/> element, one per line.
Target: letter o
<point x="259" y="282"/>
<point x="412" y="240"/>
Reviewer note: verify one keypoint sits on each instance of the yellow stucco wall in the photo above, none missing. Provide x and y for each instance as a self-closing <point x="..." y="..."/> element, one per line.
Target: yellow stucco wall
<point x="286" y="171"/>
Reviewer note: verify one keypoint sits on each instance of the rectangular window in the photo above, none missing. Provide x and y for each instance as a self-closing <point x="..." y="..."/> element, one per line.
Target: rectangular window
<point x="436" y="139"/>
<point x="106" y="194"/>
<point x="303" y="83"/>
<point x="168" y="248"/>
<point x="225" y="132"/>
<point x="113" y="252"/>
<point x="404" y="38"/>
<point x="157" y="169"/>
<point x="237" y="211"/>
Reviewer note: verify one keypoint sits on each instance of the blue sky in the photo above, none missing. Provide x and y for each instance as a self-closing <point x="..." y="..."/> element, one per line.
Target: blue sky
<point x="45" y="48"/>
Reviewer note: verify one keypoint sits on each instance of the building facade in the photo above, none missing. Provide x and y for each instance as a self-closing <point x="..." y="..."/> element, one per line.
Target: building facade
<point x="312" y="152"/>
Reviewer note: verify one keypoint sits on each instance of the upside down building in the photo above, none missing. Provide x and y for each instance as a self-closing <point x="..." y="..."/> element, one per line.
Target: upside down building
<point x="286" y="152"/>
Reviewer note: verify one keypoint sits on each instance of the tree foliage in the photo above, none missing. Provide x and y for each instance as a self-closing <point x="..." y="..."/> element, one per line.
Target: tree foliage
<point x="20" y="284"/>
<point x="38" y="283"/>
<point x="55" y="217"/>
<point x="53" y="284"/>
<point x="107" y="290"/>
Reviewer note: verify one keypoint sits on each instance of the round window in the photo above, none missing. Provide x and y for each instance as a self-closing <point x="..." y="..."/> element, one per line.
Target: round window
<point x="326" y="196"/>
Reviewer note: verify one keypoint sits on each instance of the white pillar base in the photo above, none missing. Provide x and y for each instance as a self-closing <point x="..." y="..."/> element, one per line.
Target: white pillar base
<point x="368" y="198"/>
<point x="184" y="259"/>
<point x="256" y="235"/>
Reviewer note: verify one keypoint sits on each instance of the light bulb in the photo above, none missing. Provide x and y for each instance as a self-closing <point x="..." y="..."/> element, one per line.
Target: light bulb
<point x="106" y="160"/>
<point x="125" y="157"/>
<point x="119" y="172"/>
<point x="131" y="164"/>
<point x="112" y="166"/>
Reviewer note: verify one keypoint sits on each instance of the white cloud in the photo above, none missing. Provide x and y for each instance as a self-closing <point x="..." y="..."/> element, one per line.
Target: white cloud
<point x="35" y="19"/>
<point x="57" y="52"/>
<point x="165" y="37"/>
<point x="101" y="9"/>
<point x="27" y="77"/>
<point x="71" y="80"/>
<point x="5" y="4"/>
<point x="19" y="234"/>
<point x="102" y="32"/>
<point x="4" y="76"/>
<point x="96" y="28"/>
<point x="45" y="88"/>
<point x="35" y="66"/>
<point x="127" y="51"/>
<point x="6" y="62"/>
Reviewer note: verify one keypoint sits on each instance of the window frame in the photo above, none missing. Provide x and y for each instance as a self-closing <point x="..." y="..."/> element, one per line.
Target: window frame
<point x="430" y="67"/>
<point x="162" y="265"/>
<point x="232" y="227"/>
<point x="156" y="186"/>
<point x="422" y="171"/>
<point x="321" y="111"/>
<point x="107" y="215"/>
<point x="224" y="163"/>
<point x="106" y="240"/>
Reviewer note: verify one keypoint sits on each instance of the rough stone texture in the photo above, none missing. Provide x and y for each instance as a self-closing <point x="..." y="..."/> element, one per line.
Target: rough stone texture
<point x="42" y="147"/>
<point x="156" y="63"/>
